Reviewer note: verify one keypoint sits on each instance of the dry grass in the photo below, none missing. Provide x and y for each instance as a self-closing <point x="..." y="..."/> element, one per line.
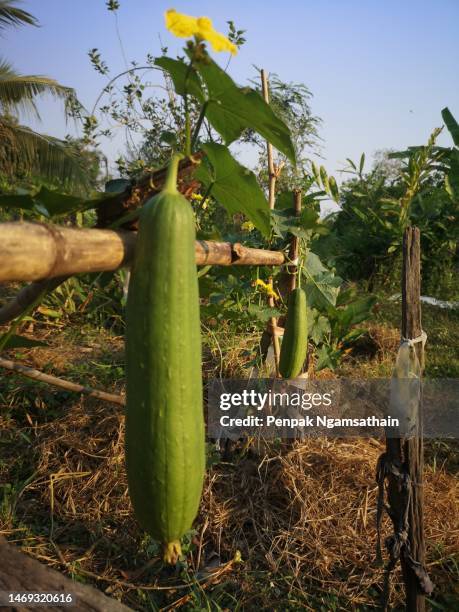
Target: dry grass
<point x="302" y="516"/>
<point x="373" y="354"/>
<point x="309" y="512"/>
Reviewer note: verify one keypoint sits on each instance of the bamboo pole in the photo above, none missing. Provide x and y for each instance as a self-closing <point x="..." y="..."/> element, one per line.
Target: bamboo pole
<point x="60" y="382"/>
<point x="36" y="251"/>
<point x="272" y="177"/>
<point x="108" y="215"/>
<point x="271" y="200"/>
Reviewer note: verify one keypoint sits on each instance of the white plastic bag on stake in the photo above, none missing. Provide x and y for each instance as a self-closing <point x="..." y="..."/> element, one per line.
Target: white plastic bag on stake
<point x="405" y="389"/>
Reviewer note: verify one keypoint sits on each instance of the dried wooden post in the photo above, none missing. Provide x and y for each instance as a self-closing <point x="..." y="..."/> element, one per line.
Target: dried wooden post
<point x="271" y="201"/>
<point x="21" y="573"/>
<point x="409" y="452"/>
<point x="413" y="447"/>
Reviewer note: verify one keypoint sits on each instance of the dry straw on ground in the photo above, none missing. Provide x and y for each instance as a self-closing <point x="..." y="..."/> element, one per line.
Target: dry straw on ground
<point x="303" y="517"/>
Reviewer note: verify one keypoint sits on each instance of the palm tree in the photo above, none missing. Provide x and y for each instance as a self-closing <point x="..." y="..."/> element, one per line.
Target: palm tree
<point x="22" y="150"/>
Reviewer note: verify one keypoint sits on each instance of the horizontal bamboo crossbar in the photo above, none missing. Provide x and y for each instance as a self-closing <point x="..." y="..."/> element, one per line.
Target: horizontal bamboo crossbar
<point x="34" y="251"/>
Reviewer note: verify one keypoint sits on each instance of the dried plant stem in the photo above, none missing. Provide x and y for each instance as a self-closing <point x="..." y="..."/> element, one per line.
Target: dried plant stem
<point x="60" y="382"/>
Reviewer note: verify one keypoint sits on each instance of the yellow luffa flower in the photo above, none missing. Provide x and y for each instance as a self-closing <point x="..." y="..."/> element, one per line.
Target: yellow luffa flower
<point x="248" y="226"/>
<point x="266" y="288"/>
<point x="185" y="26"/>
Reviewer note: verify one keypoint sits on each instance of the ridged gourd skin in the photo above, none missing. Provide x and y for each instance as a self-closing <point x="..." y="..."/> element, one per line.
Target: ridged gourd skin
<point x="165" y="439"/>
<point x="295" y="341"/>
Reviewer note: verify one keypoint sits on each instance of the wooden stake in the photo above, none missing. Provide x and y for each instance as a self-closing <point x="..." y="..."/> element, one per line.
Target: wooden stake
<point x="409" y="453"/>
<point x="414" y="447"/>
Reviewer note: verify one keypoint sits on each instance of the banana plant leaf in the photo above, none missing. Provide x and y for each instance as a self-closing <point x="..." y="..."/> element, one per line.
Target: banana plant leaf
<point x="52" y="203"/>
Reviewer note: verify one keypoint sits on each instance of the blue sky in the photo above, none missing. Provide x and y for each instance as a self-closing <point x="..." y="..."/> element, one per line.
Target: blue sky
<point x="380" y="71"/>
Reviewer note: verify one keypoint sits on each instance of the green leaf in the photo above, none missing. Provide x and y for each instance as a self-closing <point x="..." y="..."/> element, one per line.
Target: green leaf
<point x="281" y="221"/>
<point x="359" y="213"/>
<point x="362" y="163"/>
<point x="234" y="186"/>
<point x="309" y="218"/>
<point x="58" y="204"/>
<point x="313" y="197"/>
<point x="357" y="311"/>
<point x="318" y="326"/>
<point x="263" y="313"/>
<point x="327" y="358"/>
<point x="322" y="289"/>
<point x="334" y="191"/>
<point x="402" y="154"/>
<point x="207" y="286"/>
<point x="23" y="200"/>
<point x="315" y="171"/>
<point x="130" y="216"/>
<point x="28" y="151"/>
<point x="203" y="271"/>
<point x="392" y="201"/>
<point x="232" y="109"/>
<point x="313" y="264"/>
<point x="53" y="202"/>
<point x="452" y="178"/>
<point x="351" y="163"/>
<point x="451" y="124"/>
<point x="169" y="138"/>
<point x="284" y="200"/>
<point x="117" y="185"/>
<point x="353" y="335"/>
<point x="49" y="312"/>
<point x="324" y="178"/>
<point x="21" y="342"/>
<point x="285" y="222"/>
<point x="449" y="188"/>
<point x="183" y="78"/>
<point x="346" y="295"/>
